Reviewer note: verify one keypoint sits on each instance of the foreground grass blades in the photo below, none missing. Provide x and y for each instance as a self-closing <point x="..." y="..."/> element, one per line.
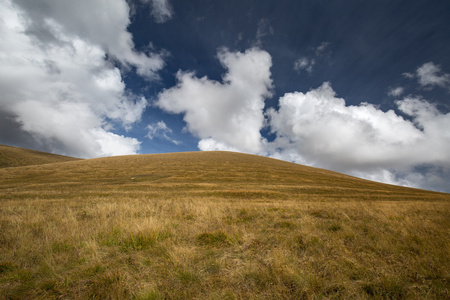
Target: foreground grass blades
<point x="216" y="226"/>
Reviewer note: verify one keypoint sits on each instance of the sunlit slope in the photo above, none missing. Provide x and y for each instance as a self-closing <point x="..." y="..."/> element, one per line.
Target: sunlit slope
<point x="216" y="225"/>
<point x="16" y="157"/>
<point x="196" y="174"/>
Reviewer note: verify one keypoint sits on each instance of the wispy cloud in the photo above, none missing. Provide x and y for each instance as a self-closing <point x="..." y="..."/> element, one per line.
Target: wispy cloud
<point x="264" y="29"/>
<point x="160" y="130"/>
<point x="321" y="48"/>
<point x="307" y="63"/>
<point x="396" y="91"/>
<point x="161" y="10"/>
<point x="304" y="63"/>
<point x="430" y="75"/>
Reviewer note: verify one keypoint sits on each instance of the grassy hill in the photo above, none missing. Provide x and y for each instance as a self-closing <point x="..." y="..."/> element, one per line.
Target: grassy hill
<point x="216" y="225"/>
<point x="16" y="157"/>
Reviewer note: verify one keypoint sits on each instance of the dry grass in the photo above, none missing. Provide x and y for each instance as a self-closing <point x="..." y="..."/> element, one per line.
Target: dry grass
<point x="216" y="226"/>
<point x="15" y="157"/>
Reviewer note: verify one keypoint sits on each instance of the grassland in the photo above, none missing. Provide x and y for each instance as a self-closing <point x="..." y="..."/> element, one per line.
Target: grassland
<point x="16" y="157"/>
<point x="216" y="225"/>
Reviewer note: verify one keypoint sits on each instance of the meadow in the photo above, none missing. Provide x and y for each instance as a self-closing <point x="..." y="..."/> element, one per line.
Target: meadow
<point x="215" y="225"/>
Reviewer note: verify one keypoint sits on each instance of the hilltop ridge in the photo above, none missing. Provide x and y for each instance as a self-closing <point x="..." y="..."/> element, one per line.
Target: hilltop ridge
<point x="214" y="174"/>
<point x="16" y="157"/>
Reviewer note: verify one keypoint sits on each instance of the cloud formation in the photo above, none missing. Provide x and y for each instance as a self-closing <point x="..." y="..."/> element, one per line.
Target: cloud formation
<point x="56" y="82"/>
<point x="318" y="128"/>
<point x="264" y="29"/>
<point x="225" y="115"/>
<point x="397" y="91"/>
<point x="161" y="10"/>
<point x="97" y="22"/>
<point x="304" y="63"/>
<point x="160" y="130"/>
<point x="430" y="75"/>
<point x="307" y="64"/>
<point x="321" y="48"/>
<point x="314" y="128"/>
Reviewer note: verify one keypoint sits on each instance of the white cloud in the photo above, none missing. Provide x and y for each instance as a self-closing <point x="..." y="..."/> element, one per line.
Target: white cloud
<point x="213" y="145"/>
<point x="319" y="129"/>
<point x="314" y="128"/>
<point x="56" y="82"/>
<point x="113" y="144"/>
<point x="161" y="131"/>
<point x="102" y="23"/>
<point x="397" y="91"/>
<point x="321" y="48"/>
<point x="307" y="64"/>
<point x="409" y="75"/>
<point x="161" y="10"/>
<point x="430" y="75"/>
<point x="229" y="114"/>
<point x="430" y="177"/>
<point x="304" y="63"/>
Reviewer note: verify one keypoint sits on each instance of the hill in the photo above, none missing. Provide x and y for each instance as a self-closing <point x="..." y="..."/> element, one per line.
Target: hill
<point x="16" y="157"/>
<point x="203" y="174"/>
<point x="216" y="225"/>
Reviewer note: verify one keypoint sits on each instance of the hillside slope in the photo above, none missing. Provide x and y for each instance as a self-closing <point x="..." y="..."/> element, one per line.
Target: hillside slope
<point x="216" y="225"/>
<point x="16" y="157"/>
<point x="199" y="174"/>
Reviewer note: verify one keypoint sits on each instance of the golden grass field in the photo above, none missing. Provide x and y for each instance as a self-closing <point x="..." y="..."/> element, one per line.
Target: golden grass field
<point x="214" y="225"/>
<point x="16" y="157"/>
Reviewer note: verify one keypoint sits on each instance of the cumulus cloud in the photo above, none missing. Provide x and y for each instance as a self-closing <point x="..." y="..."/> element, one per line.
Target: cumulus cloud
<point x="55" y="81"/>
<point x="430" y="75"/>
<point x="95" y="22"/>
<point x="315" y="128"/>
<point x="160" y="130"/>
<point x="114" y="144"/>
<point x="161" y="10"/>
<point x="318" y="128"/>
<point x="229" y="114"/>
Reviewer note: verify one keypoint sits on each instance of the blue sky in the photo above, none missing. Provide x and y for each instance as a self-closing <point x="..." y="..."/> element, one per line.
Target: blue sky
<point x="359" y="87"/>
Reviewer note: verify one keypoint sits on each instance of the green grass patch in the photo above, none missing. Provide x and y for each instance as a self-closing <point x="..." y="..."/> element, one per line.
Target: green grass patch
<point x="284" y="225"/>
<point x="134" y="240"/>
<point x="216" y="239"/>
<point x="6" y="267"/>
<point x="335" y="227"/>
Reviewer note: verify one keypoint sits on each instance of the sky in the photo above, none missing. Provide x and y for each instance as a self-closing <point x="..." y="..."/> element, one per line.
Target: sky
<point x="361" y="87"/>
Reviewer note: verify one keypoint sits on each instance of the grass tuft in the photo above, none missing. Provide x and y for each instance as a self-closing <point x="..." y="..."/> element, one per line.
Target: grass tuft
<point x="215" y="239"/>
<point x="335" y="227"/>
<point x="6" y="267"/>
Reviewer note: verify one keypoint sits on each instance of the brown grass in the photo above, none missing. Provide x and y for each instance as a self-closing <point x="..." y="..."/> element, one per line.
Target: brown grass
<point x="16" y="157"/>
<point x="216" y="225"/>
